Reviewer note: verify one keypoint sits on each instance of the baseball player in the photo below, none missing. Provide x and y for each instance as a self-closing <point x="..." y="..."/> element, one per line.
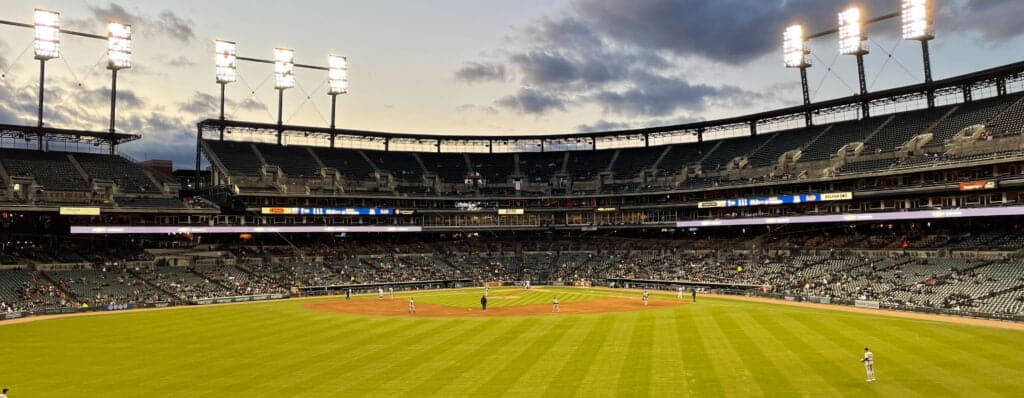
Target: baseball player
<point x="554" y="304"/>
<point x="348" y="294"/>
<point x="679" y="294"/>
<point x="487" y="290"/>
<point x="412" y="307"/>
<point x="646" y="296"/>
<point x="380" y="293"/>
<point x="869" y="364"/>
<point x="483" y="302"/>
<point x="391" y="290"/>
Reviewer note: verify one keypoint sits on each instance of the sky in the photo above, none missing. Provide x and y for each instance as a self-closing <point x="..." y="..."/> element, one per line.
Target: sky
<point x="492" y="68"/>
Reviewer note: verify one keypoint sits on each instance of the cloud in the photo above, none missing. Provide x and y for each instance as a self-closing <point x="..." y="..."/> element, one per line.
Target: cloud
<point x="202" y="105"/>
<point x="601" y="126"/>
<point x="179" y="62"/>
<point x="480" y="72"/>
<point x="993" y="20"/>
<point x="531" y="101"/>
<point x="476" y="108"/>
<point x="165" y="23"/>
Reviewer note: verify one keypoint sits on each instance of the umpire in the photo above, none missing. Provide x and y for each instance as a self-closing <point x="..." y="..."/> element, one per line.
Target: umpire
<point x="483" y="302"/>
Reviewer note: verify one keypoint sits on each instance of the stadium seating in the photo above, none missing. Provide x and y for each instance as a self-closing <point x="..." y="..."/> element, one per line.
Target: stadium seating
<point x="966" y="115"/>
<point x="632" y="161"/>
<point x="903" y="127"/>
<point x="586" y="165"/>
<point x="782" y="142"/>
<point x="731" y="149"/>
<point x="402" y="165"/>
<point x="494" y="168"/>
<point x="840" y="134"/>
<point x="238" y="157"/>
<point x="681" y="155"/>
<point x="294" y="161"/>
<point x="541" y="166"/>
<point x="52" y="170"/>
<point x="450" y="167"/>
<point x="349" y="162"/>
<point x="129" y="176"/>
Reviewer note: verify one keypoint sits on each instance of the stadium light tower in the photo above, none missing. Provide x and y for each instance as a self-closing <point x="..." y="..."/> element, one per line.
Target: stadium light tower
<point x="337" y="83"/>
<point x="794" y="54"/>
<point x="853" y="41"/>
<point x="225" y="61"/>
<point x="47" y="47"/>
<point x="284" y="78"/>
<point x="119" y="56"/>
<point x="918" y="25"/>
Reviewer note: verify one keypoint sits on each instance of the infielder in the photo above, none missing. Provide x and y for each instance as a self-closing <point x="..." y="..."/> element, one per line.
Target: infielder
<point x="412" y="307"/>
<point x="380" y="293"/>
<point x="392" y="291"/>
<point x="487" y="290"/>
<point x="348" y="294"/>
<point x="554" y="304"/>
<point x="869" y="364"/>
<point x="679" y="294"/>
<point x="646" y="296"/>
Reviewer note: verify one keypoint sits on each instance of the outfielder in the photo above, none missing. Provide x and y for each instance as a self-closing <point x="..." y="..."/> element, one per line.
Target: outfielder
<point x="869" y="364"/>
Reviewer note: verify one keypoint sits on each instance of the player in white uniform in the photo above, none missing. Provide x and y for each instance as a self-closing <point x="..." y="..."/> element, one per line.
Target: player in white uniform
<point x="679" y="294"/>
<point x="380" y="293"/>
<point x="391" y="290"/>
<point x="487" y="290"/>
<point x="412" y="307"/>
<point x="869" y="364"/>
<point x="554" y="304"/>
<point x="646" y="296"/>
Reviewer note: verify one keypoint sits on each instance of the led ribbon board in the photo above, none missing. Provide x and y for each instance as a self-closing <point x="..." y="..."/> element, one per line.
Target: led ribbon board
<point x="777" y="200"/>
<point x="114" y="230"/>
<point x="840" y="218"/>
<point x="329" y="211"/>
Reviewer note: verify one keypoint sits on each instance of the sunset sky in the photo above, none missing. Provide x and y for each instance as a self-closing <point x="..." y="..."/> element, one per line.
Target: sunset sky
<point x="472" y="67"/>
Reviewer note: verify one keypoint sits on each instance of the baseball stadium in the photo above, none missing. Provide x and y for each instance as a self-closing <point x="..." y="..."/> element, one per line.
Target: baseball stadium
<point x="749" y="246"/>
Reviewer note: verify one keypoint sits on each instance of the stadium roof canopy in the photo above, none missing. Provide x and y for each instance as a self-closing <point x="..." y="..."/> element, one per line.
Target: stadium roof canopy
<point x="960" y="86"/>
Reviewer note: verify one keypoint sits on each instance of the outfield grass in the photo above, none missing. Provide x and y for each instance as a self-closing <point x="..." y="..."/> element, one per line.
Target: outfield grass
<point x="718" y="347"/>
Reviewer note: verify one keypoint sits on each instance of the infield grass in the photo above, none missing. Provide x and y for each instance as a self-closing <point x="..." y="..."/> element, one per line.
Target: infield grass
<point x="717" y="347"/>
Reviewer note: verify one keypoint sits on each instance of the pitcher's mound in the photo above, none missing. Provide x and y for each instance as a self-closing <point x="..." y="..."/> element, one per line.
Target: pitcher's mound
<point x="400" y="307"/>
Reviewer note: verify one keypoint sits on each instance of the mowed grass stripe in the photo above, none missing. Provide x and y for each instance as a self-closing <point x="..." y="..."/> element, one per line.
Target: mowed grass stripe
<point x="954" y="339"/>
<point x="368" y="380"/>
<point x="668" y="371"/>
<point x="731" y="371"/>
<point x="888" y="368"/>
<point x="766" y="370"/>
<point x="839" y="361"/>
<point x="635" y="375"/>
<point x="575" y="366"/>
<point x="485" y="370"/>
<point x="602" y="378"/>
<point x="545" y="370"/>
<point x="308" y="372"/>
<point x="945" y="366"/>
<point x="377" y="353"/>
<point x="470" y="363"/>
<point x="775" y="339"/>
<point x="699" y="373"/>
<point x="516" y="367"/>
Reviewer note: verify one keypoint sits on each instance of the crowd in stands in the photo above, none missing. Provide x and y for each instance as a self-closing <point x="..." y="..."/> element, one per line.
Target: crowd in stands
<point x="821" y="264"/>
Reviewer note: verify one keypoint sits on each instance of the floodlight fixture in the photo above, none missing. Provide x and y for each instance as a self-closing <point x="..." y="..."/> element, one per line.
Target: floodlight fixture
<point x="794" y="47"/>
<point x="119" y="46"/>
<point x="852" y="38"/>
<point x="47" y="37"/>
<point x="917" y="20"/>
<point x="284" y="68"/>
<point x="337" y="75"/>
<point x="226" y="61"/>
